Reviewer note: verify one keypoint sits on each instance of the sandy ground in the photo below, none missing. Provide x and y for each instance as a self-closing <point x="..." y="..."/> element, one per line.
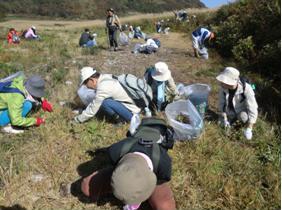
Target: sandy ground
<point x="66" y="25"/>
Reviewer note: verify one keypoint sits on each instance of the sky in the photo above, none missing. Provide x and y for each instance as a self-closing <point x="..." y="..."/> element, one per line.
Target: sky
<point x="215" y="3"/>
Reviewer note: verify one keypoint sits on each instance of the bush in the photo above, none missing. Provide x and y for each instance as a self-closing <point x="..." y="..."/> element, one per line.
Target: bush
<point x="244" y="51"/>
<point x="249" y="30"/>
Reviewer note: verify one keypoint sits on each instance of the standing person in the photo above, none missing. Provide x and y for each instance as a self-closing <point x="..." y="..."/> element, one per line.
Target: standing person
<point x="110" y="97"/>
<point x="113" y="25"/>
<point x="13" y="36"/>
<point x="31" y="34"/>
<point x="198" y="38"/>
<point x="237" y="100"/>
<point x="86" y="39"/>
<point x="160" y="79"/>
<point x="138" y="173"/>
<point x="17" y="99"/>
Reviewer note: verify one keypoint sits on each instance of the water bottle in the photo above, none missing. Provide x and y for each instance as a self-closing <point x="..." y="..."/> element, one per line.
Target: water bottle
<point x="148" y="112"/>
<point x="134" y="123"/>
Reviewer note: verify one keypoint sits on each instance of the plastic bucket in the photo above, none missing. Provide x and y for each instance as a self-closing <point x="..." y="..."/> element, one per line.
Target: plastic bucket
<point x="198" y="94"/>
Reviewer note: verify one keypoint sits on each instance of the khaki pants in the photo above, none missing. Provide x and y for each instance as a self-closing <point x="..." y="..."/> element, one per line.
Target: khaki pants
<point x="99" y="183"/>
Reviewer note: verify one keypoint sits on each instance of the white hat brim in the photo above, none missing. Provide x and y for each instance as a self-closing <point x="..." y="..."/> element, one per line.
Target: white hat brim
<point x="226" y="80"/>
<point x="161" y="77"/>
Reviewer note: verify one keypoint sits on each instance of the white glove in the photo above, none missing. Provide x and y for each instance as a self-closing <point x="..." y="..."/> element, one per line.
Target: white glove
<point x="148" y="112"/>
<point x="226" y="124"/>
<point x="76" y="119"/>
<point x="248" y="133"/>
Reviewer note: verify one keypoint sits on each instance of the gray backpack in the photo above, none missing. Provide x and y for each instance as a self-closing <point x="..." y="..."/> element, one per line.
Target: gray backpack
<point x="137" y="89"/>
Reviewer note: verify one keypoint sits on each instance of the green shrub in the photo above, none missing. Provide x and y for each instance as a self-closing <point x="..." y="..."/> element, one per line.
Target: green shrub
<point x="244" y="51"/>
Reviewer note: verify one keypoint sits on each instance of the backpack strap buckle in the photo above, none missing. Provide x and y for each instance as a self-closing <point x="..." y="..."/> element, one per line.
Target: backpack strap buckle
<point x="145" y="142"/>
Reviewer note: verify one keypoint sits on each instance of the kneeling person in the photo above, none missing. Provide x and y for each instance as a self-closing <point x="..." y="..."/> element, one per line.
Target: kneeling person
<point x="110" y="97"/>
<point x="17" y="98"/>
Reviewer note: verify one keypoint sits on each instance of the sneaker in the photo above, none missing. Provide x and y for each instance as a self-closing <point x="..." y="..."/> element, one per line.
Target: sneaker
<point x="10" y="129"/>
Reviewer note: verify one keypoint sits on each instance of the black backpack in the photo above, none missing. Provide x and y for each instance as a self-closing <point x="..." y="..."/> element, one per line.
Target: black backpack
<point x="245" y="80"/>
<point x="152" y="132"/>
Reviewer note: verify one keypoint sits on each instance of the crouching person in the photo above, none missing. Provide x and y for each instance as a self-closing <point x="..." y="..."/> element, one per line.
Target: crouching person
<point x="237" y="100"/>
<point x="162" y="84"/>
<point x="17" y="98"/>
<point x="110" y="97"/>
<point x="140" y="171"/>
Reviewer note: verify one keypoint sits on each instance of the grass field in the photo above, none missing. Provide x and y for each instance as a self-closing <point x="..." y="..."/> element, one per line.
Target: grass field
<point x="217" y="171"/>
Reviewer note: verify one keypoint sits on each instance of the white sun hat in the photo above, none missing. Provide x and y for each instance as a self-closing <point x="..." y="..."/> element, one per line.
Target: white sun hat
<point x="162" y="73"/>
<point x="85" y="73"/>
<point x="229" y="76"/>
<point x="33" y="27"/>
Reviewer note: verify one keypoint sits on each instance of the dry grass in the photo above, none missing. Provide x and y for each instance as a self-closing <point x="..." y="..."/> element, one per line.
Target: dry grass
<point x="68" y="25"/>
<point x="217" y="171"/>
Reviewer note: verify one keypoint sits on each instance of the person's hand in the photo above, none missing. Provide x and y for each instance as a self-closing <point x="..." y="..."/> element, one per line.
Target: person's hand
<point x="248" y="133"/>
<point x="39" y="121"/>
<point x="46" y="106"/>
<point x="226" y="124"/>
<point x="177" y="97"/>
<point x="76" y="119"/>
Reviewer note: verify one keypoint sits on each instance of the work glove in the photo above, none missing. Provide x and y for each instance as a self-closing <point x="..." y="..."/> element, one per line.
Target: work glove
<point x="226" y="124"/>
<point x="46" y="106"/>
<point x="248" y="133"/>
<point x="39" y="121"/>
<point x="148" y="112"/>
<point x="76" y="119"/>
<point x="131" y="207"/>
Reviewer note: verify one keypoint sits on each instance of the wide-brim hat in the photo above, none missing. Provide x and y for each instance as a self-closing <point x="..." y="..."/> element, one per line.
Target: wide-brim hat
<point x="161" y="73"/>
<point x="86" y="73"/>
<point x="229" y="76"/>
<point x="35" y="86"/>
<point x="132" y="180"/>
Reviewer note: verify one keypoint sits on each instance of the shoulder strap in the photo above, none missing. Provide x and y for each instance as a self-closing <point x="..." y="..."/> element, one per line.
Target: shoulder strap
<point x="243" y="81"/>
<point x="149" y="73"/>
<point x="5" y="88"/>
<point x="156" y="155"/>
<point x="127" y="146"/>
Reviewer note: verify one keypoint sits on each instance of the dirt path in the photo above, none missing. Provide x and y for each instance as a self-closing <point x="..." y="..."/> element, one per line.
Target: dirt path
<point x="67" y="25"/>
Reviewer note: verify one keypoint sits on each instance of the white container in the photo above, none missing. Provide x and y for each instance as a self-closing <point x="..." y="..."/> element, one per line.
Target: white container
<point x="86" y="95"/>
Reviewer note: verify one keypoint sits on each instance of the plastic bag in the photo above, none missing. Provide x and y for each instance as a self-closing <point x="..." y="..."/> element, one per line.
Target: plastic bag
<point x="86" y="95"/>
<point x="198" y="94"/>
<point x="203" y="52"/>
<point x="184" y="131"/>
<point x="123" y="39"/>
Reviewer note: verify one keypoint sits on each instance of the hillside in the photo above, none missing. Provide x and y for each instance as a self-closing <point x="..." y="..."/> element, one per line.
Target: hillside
<point x="220" y="170"/>
<point x="91" y="9"/>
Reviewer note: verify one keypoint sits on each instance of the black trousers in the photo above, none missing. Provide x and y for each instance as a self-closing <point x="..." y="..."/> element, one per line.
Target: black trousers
<point x="113" y="37"/>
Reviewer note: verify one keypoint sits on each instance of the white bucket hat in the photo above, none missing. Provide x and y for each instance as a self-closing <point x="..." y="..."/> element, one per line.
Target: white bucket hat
<point x="162" y="73"/>
<point x="229" y="76"/>
<point x="85" y="73"/>
<point x="33" y="27"/>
